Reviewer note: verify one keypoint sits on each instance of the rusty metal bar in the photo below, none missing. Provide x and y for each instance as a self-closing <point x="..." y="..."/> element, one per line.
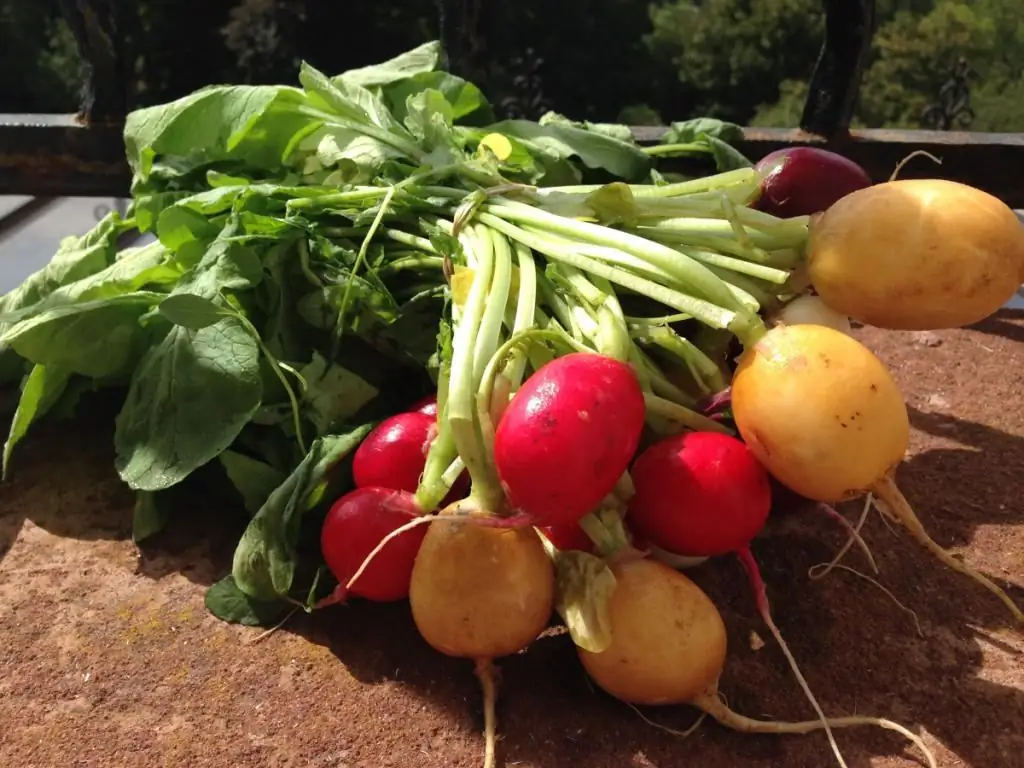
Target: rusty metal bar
<point x="832" y="98"/>
<point x="55" y="155"/>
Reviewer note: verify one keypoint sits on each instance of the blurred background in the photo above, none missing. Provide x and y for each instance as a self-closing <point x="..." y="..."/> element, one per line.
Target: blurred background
<point x="935" y="64"/>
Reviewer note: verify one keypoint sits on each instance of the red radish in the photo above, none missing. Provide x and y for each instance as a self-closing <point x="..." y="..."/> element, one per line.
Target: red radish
<point x="394" y="454"/>
<point x="428" y="406"/>
<point x="705" y="494"/>
<point x="700" y="494"/>
<point x="568" y="435"/>
<point x="566" y="537"/>
<point x="355" y="525"/>
<point x="806" y="180"/>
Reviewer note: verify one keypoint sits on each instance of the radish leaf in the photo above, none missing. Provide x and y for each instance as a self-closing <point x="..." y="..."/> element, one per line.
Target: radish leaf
<point x="42" y="389"/>
<point x="229" y="603"/>
<point x="265" y="559"/>
<point x="189" y="398"/>
<point x="191" y="311"/>
<point x="149" y="516"/>
<point x="255" y="480"/>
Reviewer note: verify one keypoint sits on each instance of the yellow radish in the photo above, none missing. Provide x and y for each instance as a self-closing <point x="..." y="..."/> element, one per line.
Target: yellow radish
<point x="668" y="646"/>
<point x="916" y="254"/>
<point x="480" y="592"/>
<point x="825" y="417"/>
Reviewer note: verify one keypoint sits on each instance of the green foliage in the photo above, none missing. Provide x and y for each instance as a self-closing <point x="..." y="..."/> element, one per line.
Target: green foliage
<point x="732" y="55"/>
<point x="632" y="61"/>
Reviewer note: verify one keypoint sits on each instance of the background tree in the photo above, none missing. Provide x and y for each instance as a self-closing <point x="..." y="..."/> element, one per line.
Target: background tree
<point x="636" y="61"/>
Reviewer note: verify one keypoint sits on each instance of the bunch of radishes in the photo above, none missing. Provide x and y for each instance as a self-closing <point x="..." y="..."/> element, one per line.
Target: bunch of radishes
<point x="564" y="462"/>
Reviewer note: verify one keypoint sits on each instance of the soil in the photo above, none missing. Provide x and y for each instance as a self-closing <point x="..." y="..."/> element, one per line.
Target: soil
<point x="108" y="657"/>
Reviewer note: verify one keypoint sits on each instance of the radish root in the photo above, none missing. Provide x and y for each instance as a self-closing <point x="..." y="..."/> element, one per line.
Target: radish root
<point x="487" y="674"/>
<point x="710" y="703"/>
<point x="814" y="573"/>
<point x="854" y="537"/>
<point x="681" y="734"/>
<point x="899" y="507"/>
<point x="761" y="596"/>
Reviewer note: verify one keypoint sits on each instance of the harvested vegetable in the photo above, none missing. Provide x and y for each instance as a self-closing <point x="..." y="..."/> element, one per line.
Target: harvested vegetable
<point x="704" y="494"/>
<point x="568" y="435"/>
<point x="823" y="414"/>
<point x="669" y="647"/>
<point x="357" y="523"/>
<point x="799" y="181"/>
<point x="700" y="494"/>
<point x="917" y="254"/>
<point x="328" y="253"/>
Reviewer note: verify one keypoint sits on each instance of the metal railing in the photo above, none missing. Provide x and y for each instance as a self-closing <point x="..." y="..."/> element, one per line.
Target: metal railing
<point x="49" y="156"/>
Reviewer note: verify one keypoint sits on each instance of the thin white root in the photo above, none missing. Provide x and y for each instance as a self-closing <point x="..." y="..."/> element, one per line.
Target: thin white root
<point x="681" y="734"/>
<point x="870" y="580"/>
<point x="886" y="514"/>
<point x="854" y="536"/>
<point x="487" y="675"/>
<point x="385" y="541"/>
<point x="710" y="703"/>
<point x="764" y="608"/>
<point x="264" y="635"/>
<point x="898" y="505"/>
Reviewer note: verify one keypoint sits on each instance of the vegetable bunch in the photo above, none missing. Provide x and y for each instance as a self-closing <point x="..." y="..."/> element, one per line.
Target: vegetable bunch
<point x="490" y="366"/>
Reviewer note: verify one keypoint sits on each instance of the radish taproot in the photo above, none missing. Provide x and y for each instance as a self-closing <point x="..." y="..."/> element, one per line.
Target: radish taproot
<point x="567" y="436"/>
<point x="800" y="181"/>
<point x="917" y="254"/>
<point x="668" y="646"/>
<point x="826" y="418"/>
<point x="355" y="524"/>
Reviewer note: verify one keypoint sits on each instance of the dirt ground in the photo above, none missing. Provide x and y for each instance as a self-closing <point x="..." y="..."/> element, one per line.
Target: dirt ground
<point x="109" y="659"/>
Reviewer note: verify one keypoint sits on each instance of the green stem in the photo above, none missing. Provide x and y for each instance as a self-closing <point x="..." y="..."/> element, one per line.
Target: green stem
<point x="275" y="366"/>
<point x="709" y="258"/>
<point x="677" y="149"/>
<point x="462" y="387"/>
<point x="435" y="485"/>
<point x="411" y="262"/>
<point x="704" y="371"/>
<point x="339" y="329"/>
<point x="526" y="308"/>
<point x="743" y="324"/>
<point x="489" y="337"/>
<point x="741" y="176"/>
<point x="682" y="416"/>
<point x="697" y="231"/>
<point x="687" y="271"/>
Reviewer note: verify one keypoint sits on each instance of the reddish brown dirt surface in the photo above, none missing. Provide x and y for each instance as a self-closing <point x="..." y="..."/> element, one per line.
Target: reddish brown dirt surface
<point x="109" y="659"/>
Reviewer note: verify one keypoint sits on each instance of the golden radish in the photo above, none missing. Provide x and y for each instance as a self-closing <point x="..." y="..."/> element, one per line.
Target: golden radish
<point x="916" y="254"/>
<point x="826" y="418"/>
